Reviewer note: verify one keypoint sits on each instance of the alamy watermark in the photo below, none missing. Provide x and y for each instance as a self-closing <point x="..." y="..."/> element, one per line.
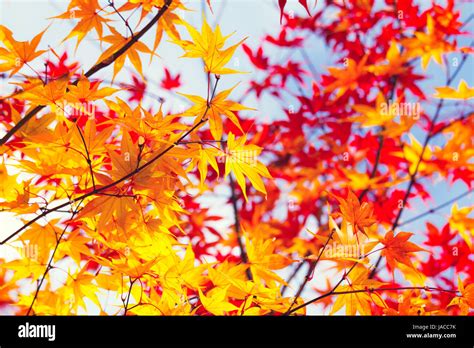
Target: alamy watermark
<point x="402" y="109"/>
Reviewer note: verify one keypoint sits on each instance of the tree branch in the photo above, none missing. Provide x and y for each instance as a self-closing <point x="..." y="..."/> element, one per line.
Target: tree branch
<point x="369" y="290"/>
<point x="420" y="159"/>
<point x="99" y="66"/>
<point x="49" y="265"/>
<point x="243" y="253"/>
<point x="311" y="270"/>
<point x="433" y="210"/>
<point x="100" y="190"/>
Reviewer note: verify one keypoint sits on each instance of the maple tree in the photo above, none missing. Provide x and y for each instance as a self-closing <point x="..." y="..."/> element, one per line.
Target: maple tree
<point x="112" y="185"/>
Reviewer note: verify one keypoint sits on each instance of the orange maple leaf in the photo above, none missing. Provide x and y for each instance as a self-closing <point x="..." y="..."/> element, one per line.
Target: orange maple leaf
<point x="398" y="249"/>
<point x="466" y="300"/>
<point x="87" y="11"/>
<point x="118" y="41"/>
<point x="17" y="53"/>
<point x="357" y="214"/>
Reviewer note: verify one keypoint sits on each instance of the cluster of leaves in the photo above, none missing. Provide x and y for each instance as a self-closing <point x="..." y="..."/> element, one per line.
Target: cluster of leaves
<point x="112" y="194"/>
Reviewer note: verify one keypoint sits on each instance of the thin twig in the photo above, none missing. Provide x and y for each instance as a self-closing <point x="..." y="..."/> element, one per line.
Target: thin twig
<point x="127" y="300"/>
<point x="370" y="290"/>
<point x="125" y="21"/>
<point x="243" y="253"/>
<point x="99" y="66"/>
<point x="311" y="270"/>
<point x="413" y="175"/>
<point x="49" y="265"/>
<point x="100" y="190"/>
<point x="433" y="210"/>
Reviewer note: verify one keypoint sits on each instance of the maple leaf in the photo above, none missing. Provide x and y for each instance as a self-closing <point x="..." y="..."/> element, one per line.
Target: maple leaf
<point x="395" y="65"/>
<point x="215" y="301"/>
<point x="463" y="92"/>
<point x="36" y="92"/>
<point x="411" y="153"/>
<point x="61" y="68"/>
<point x="208" y="45"/>
<point x="263" y="259"/>
<point x="347" y="78"/>
<point x="218" y="106"/>
<point x="179" y="272"/>
<point x="168" y="23"/>
<point x="373" y="116"/>
<point x="117" y="41"/>
<point x="282" y="4"/>
<point x="137" y="89"/>
<point x="74" y="246"/>
<point x="40" y="240"/>
<point x="24" y="268"/>
<point x="411" y="304"/>
<point x="8" y="184"/>
<point x="209" y="4"/>
<point x="169" y="82"/>
<point x="358" y="301"/>
<point x="428" y="45"/>
<point x="466" y="300"/>
<point x="81" y="286"/>
<point x="114" y="207"/>
<point x="85" y="91"/>
<point x="398" y="249"/>
<point x="258" y="59"/>
<point x="131" y="265"/>
<point x="242" y="160"/>
<point x="460" y="221"/>
<point x="347" y="246"/>
<point x="357" y="214"/>
<point x="17" y="53"/>
<point x="204" y="157"/>
<point x="88" y="13"/>
<point x="94" y="140"/>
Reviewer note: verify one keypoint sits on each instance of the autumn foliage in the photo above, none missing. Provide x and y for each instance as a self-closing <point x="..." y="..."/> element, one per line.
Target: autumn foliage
<point x="328" y="205"/>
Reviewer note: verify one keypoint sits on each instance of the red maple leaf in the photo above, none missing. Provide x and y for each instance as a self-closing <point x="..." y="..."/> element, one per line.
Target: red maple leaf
<point x="169" y="82"/>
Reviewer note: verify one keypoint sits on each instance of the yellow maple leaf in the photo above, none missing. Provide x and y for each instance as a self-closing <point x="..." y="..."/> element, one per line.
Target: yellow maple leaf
<point x="463" y="92"/>
<point x="179" y="272"/>
<point x="263" y="260"/>
<point x="346" y="245"/>
<point x="215" y="301"/>
<point x="411" y="153"/>
<point x="395" y="64"/>
<point x="203" y="157"/>
<point x="8" y="184"/>
<point x="353" y="298"/>
<point x="461" y="222"/>
<point x="374" y="116"/>
<point x="39" y="93"/>
<point x="428" y="45"/>
<point x="359" y="215"/>
<point x="81" y="286"/>
<point x="208" y="45"/>
<point x="219" y="106"/>
<point x="242" y="160"/>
